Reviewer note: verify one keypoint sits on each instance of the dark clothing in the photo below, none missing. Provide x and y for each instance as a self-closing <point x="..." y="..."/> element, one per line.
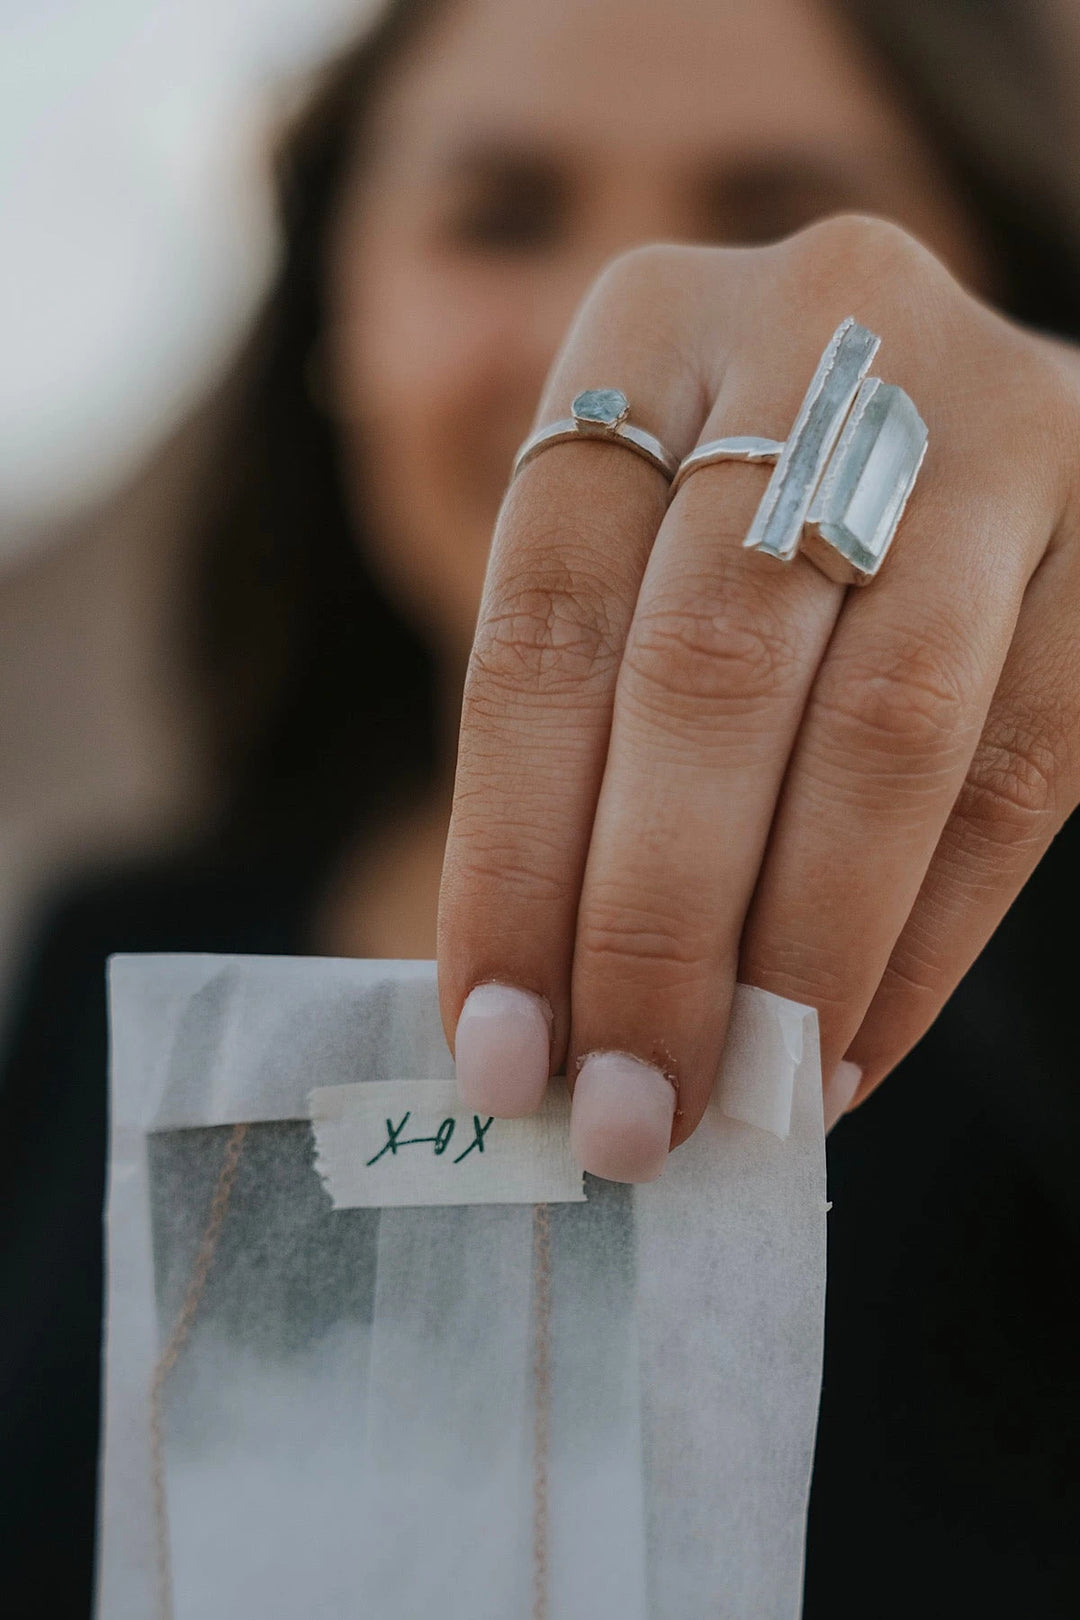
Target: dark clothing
<point x="947" y="1479"/>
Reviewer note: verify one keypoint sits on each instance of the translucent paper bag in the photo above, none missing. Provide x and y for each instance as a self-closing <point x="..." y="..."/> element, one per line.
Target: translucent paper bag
<point x="371" y="1356"/>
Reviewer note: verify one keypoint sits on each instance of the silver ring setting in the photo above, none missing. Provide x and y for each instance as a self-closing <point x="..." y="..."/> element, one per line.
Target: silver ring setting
<point x="599" y="413"/>
<point x="843" y="478"/>
<point x="738" y="448"/>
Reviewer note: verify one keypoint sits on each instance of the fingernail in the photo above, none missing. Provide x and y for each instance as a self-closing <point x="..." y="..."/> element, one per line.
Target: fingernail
<point x="838" y="1092"/>
<point x="620" y="1120"/>
<point x="502" y="1050"/>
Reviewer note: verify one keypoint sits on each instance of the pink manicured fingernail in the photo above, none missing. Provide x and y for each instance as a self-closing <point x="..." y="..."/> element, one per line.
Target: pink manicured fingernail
<point x="838" y="1092"/>
<point x="502" y="1050"/>
<point x="620" y="1121"/>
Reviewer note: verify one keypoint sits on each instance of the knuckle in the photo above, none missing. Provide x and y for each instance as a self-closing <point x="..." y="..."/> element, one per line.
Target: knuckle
<point x="645" y="944"/>
<point x="515" y="872"/>
<point x="794" y="968"/>
<point x="911" y="977"/>
<point x="902" y="699"/>
<point x="916" y="974"/>
<point x="646" y="299"/>
<point x="852" y="246"/>
<point x="1011" y="790"/>
<point x="691" y="654"/>
<point x="553" y="630"/>
<point x="645" y="270"/>
<point x="856" y="264"/>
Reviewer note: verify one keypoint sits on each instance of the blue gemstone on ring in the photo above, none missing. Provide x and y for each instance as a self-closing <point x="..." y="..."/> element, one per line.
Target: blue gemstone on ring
<point x="601" y="407"/>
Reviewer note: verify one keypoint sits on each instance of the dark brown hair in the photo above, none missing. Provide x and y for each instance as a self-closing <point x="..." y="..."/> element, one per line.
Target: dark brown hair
<point x="319" y="696"/>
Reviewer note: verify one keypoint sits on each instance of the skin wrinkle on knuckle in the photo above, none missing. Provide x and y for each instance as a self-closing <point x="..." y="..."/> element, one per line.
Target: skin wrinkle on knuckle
<point x="967" y="869"/>
<point x="698" y="754"/>
<point x="980" y="864"/>
<point x="635" y="917"/>
<point x="512" y="875"/>
<point x="913" y="974"/>
<point x="970" y="874"/>
<point x="832" y="783"/>
<point x="1010" y="797"/>
<point x="520" y="801"/>
<point x="787" y="969"/>
<point x="492" y="725"/>
<point x="536" y="825"/>
<point x="685" y="657"/>
<point x="914" y="981"/>
<point x="903" y="701"/>
<point x="654" y="952"/>
<point x="918" y="964"/>
<point x="554" y="632"/>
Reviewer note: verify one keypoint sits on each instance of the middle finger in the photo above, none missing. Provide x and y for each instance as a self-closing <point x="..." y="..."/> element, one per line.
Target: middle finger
<point x="719" y="661"/>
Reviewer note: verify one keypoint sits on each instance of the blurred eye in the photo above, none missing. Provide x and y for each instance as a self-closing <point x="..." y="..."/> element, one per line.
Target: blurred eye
<point x="763" y="202"/>
<point x="507" y="208"/>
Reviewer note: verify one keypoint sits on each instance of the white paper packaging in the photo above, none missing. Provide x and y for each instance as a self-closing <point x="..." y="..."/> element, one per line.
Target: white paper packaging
<point x="469" y="1411"/>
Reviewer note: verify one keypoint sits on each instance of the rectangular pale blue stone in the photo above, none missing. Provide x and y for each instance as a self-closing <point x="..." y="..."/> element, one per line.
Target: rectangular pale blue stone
<point x="778" y="523"/>
<point x="865" y="488"/>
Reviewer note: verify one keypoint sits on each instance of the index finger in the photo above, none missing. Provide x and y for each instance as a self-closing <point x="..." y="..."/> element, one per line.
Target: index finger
<point x="570" y="550"/>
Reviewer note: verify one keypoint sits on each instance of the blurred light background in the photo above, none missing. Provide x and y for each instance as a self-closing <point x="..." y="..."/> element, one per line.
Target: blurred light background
<point x="135" y="238"/>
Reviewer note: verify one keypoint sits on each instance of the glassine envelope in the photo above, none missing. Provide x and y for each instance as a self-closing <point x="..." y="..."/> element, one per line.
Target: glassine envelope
<point x="370" y="1355"/>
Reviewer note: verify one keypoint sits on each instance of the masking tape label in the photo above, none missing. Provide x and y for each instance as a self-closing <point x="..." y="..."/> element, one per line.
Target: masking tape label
<point x="411" y="1142"/>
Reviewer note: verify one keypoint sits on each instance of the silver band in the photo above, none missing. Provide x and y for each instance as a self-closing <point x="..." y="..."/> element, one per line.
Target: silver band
<point x="740" y="448"/>
<point x="599" y="413"/>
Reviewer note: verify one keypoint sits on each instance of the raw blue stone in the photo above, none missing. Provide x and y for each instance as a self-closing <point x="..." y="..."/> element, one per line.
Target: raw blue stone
<point x="606" y="407"/>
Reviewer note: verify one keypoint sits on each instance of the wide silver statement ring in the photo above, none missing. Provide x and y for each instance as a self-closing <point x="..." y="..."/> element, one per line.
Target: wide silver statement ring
<point x="599" y="413"/>
<point x="842" y="480"/>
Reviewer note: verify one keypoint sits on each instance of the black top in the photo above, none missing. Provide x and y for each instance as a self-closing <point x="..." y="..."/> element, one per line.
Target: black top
<point x="947" y="1479"/>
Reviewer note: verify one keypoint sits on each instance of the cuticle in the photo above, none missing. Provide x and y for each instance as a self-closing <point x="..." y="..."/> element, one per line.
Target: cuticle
<point x="504" y="984"/>
<point x="669" y="1072"/>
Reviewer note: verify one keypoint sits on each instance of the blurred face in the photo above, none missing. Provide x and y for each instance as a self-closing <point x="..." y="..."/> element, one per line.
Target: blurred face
<point x="520" y="146"/>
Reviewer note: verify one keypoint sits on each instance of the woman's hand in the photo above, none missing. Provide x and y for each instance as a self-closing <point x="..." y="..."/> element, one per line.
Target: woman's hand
<point x="683" y="762"/>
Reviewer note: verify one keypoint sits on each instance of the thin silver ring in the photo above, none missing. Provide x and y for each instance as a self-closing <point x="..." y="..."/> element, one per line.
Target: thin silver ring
<point x="599" y="413"/>
<point x="740" y="448"/>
